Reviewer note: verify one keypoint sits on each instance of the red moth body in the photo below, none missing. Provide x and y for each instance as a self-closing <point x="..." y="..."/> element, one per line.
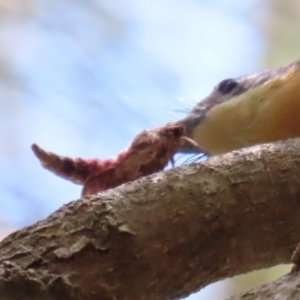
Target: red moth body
<point x="149" y="152"/>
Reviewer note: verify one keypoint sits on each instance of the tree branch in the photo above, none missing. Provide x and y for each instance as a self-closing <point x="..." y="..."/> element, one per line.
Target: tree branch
<point x="286" y="287"/>
<point x="163" y="236"/>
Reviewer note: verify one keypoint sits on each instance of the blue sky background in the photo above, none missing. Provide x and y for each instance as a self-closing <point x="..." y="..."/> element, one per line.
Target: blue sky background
<point x="87" y="77"/>
<point x="82" y="78"/>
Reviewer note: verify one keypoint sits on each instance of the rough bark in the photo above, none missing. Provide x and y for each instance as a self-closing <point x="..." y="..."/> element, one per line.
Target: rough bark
<point x="164" y="236"/>
<point x="284" y="288"/>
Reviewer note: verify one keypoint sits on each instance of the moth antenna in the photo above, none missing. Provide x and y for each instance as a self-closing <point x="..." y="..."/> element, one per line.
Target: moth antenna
<point x="76" y="170"/>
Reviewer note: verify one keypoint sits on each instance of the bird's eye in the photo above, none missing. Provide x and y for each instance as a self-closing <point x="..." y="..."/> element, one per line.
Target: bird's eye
<point x="226" y="86"/>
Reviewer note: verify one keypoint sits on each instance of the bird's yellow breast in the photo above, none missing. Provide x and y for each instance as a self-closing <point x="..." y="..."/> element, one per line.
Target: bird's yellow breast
<point x="264" y="113"/>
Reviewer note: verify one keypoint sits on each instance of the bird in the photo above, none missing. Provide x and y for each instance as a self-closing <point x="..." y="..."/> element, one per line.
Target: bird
<point x="247" y="110"/>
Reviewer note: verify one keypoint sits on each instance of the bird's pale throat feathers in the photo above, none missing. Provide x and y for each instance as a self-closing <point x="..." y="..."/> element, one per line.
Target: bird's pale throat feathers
<point x="249" y="110"/>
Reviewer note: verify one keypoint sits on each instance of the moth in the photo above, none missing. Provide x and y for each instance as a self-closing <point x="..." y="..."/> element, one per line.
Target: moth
<point x="149" y="152"/>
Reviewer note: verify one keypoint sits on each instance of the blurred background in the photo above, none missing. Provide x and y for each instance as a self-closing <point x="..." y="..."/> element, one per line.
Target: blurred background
<point x="82" y="78"/>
